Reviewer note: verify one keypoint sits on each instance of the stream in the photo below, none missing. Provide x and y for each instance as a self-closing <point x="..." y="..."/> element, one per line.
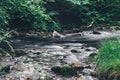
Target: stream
<point x="34" y="58"/>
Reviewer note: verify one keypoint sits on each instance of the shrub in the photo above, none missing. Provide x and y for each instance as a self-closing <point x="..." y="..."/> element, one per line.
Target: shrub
<point x="50" y="14"/>
<point x="108" y="61"/>
<point x="3" y="18"/>
<point x="28" y="14"/>
<point x="7" y="49"/>
<point x="84" y="12"/>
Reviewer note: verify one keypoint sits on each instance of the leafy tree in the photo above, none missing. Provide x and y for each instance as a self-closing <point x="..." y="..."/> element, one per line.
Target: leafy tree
<point x="84" y="12"/>
<point x="27" y="14"/>
<point x="50" y="14"/>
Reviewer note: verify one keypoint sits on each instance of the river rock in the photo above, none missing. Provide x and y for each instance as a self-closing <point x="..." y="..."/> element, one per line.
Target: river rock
<point x="8" y="78"/>
<point x="90" y="49"/>
<point x="71" y="59"/>
<point x="96" y="32"/>
<point x="77" y="66"/>
<point x="73" y="44"/>
<point x="79" y="75"/>
<point x="57" y="35"/>
<point x="75" y="51"/>
<point x="20" y="52"/>
<point x="57" y="53"/>
<point x="53" y="47"/>
<point x="86" y="78"/>
<point x="21" y="78"/>
<point x="87" y="66"/>
<point x="93" y="54"/>
<point x="87" y="71"/>
<point x="15" y="34"/>
<point x="32" y="55"/>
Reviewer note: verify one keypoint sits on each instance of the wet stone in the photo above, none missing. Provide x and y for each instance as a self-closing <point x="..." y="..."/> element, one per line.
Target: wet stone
<point x="88" y="49"/>
<point x="19" y="53"/>
<point x="58" y="53"/>
<point x="91" y="49"/>
<point x="87" y="71"/>
<point x="96" y="32"/>
<point x="87" y="66"/>
<point x="73" y="44"/>
<point x="75" y="51"/>
<point x="53" y="47"/>
<point x="93" y="54"/>
<point x="79" y="75"/>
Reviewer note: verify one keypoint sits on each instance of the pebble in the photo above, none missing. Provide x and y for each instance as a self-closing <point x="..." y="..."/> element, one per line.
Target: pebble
<point x="74" y="51"/>
<point x="79" y="75"/>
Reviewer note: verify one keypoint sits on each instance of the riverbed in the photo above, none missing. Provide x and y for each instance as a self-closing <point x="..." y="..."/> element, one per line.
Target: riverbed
<point x="34" y="57"/>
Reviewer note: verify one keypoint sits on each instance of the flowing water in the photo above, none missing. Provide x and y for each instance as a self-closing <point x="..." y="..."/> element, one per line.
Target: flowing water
<point x="42" y="55"/>
<point x="35" y="57"/>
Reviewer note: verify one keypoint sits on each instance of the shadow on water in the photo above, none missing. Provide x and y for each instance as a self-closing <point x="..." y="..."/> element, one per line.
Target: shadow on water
<point x="21" y="41"/>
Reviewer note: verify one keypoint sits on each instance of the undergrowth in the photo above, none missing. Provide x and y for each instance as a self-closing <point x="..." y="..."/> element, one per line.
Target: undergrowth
<point x="3" y="39"/>
<point x="108" y="60"/>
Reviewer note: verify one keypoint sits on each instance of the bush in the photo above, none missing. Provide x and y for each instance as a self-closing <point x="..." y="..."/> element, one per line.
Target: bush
<point x="83" y="12"/>
<point x="3" y="18"/>
<point x="5" y="47"/>
<point x="26" y="14"/>
<point x="108" y="61"/>
<point x="49" y="15"/>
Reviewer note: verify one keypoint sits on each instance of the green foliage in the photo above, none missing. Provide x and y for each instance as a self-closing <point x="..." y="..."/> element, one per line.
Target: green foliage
<point x="3" y="39"/>
<point x="3" y="18"/>
<point x="51" y="14"/>
<point x="64" y="71"/>
<point x="28" y="14"/>
<point x="100" y="10"/>
<point x="108" y="61"/>
<point x="83" y="12"/>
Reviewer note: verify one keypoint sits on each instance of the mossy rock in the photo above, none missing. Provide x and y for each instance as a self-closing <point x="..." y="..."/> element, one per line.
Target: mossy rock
<point x="64" y="71"/>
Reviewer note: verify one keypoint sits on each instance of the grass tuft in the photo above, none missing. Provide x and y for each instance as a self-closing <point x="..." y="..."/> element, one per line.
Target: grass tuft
<point x="108" y="60"/>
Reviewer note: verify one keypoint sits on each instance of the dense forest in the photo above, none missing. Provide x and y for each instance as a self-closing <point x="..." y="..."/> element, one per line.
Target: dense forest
<point x="52" y="18"/>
